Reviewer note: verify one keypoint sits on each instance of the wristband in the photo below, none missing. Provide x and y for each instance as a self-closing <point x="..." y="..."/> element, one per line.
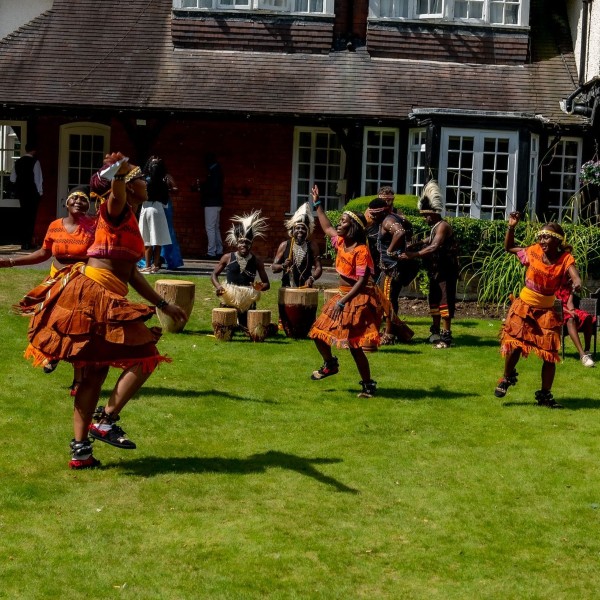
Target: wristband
<point x="120" y="177"/>
<point x="162" y="304"/>
<point x="511" y="228"/>
<point x="340" y="304"/>
<point x="317" y="203"/>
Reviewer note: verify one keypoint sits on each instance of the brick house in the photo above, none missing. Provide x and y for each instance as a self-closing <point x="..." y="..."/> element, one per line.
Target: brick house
<point x="350" y="95"/>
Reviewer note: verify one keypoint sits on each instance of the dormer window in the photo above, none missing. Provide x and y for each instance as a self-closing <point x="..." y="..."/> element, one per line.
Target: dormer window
<point x="316" y="7"/>
<point x="490" y="12"/>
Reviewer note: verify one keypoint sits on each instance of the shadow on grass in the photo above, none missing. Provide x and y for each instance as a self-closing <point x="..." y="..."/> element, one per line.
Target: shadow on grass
<point x="475" y="341"/>
<point x="151" y="466"/>
<point x="436" y="392"/>
<point x="175" y="393"/>
<point x="568" y="403"/>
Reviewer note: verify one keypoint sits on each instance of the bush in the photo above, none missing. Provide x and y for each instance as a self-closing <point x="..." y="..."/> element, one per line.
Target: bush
<point x="482" y="256"/>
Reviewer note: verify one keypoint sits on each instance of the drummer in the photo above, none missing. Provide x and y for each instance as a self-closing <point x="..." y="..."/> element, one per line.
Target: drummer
<point x="298" y="258"/>
<point x="241" y="266"/>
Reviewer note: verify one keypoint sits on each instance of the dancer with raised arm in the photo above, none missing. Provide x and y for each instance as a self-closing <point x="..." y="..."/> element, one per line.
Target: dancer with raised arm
<point x="351" y="318"/>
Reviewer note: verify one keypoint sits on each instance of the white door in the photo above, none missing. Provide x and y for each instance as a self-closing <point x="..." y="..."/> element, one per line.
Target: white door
<point x="478" y="173"/>
<point x="81" y="153"/>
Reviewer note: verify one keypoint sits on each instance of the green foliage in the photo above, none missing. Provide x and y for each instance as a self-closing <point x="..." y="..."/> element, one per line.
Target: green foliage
<point x="252" y="481"/>
<point x="483" y="259"/>
<point x="403" y="202"/>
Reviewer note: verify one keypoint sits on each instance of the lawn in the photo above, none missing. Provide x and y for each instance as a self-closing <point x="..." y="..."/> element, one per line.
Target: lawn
<point x="252" y="481"/>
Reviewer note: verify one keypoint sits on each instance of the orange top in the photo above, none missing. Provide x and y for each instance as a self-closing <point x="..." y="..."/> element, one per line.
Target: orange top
<point x="68" y="247"/>
<point x="540" y="277"/>
<point x="117" y="240"/>
<point x="352" y="264"/>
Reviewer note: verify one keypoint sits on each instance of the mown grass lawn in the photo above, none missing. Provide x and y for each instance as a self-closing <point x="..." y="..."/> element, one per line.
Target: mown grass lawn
<point x="252" y="481"/>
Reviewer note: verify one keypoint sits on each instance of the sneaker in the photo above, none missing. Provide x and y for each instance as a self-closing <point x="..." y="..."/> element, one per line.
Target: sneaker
<point x="115" y="436"/>
<point x="330" y="367"/>
<point x="586" y="361"/>
<point x="445" y="340"/>
<point x="435" y="335"/>
<point x="368" y="389"/>
<point x="545" y="398"/>
<point x="81" y="456"/>
<point x="504" y="383"/>
<point x="50" y="366"/>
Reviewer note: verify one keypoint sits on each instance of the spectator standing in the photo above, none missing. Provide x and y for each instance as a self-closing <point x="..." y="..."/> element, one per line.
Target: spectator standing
<point x="212" y="199"/>
<point x="27" y="177"/>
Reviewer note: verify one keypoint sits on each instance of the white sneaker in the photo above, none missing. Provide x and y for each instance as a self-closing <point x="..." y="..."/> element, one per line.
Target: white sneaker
<point x="586" y="361"/>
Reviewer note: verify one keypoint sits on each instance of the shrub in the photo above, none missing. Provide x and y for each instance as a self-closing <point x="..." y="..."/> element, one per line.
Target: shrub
<point x="482" y="256"/>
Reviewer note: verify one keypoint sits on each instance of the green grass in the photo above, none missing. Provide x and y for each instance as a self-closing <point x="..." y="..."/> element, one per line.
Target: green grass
<point x="251" y="481"/>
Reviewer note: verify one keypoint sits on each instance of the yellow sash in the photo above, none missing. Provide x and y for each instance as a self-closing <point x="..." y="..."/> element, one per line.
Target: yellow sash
<point x="106" y="279"/>
<point x="535" y="299"/>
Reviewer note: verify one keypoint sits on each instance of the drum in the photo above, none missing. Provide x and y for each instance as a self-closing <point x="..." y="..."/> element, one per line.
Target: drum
<point x="258" y="324"/>
<point x="175" y="291"/>
<point x="329" y="293"/>
<point x="297" y="310"/>
<point x="224" y="322"/>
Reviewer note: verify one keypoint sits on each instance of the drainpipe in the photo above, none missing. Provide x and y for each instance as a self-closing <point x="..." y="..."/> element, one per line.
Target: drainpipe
<point x="584" y="34"/>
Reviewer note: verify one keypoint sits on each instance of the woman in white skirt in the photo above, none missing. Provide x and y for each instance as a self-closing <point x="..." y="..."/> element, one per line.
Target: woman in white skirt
<point x="153" y="221"/>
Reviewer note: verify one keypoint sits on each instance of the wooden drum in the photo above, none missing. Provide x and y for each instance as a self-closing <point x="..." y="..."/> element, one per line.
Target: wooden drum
<point x="258" y="324"/>
<point x="297" y="310"/>
<point x="224" y="322"/>
<point x="175" y="291"/>
<point x="329" y="293"/>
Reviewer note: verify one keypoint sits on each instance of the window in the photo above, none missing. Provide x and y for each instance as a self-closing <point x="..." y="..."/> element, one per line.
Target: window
<point x="416" y="161"/>
<point x="564" y="180"/>
<point x="318" y="159"/>
<point x="380" y="160"/>
<point x="478" y="173"/>
<point x="12" y="145"/>
<point x="82" y="150"/>
<point x="494" y="12"/>
<point x="319" y="7"/>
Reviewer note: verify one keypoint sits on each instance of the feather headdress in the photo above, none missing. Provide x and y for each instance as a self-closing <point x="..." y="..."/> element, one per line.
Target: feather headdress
<point x="303" y="216"/>
<point x="246" y="227"/>
<point x="431" y="198"/>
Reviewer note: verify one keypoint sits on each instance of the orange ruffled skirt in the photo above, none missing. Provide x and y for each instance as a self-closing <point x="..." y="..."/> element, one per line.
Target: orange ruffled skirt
<point x="532" y="330"/>
<point x="357" y="326"/>
<point x="78" y="320"/>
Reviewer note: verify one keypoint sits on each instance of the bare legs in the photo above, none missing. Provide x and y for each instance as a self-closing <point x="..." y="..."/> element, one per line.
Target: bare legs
<point x="358" y="354"/>
<point x="152" y="256"/>
<point x="88" y="394"/>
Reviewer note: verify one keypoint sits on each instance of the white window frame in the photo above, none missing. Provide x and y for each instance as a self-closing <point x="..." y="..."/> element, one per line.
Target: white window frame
<point x="476" y="186"/>
<point x="534" y="161"/>
<point x="6" y="165"/>
<point x="376" y="8"/>
<point x="255" y="6"/>
<point x="567" y="196"/>
<point x="416" y="161"/>
<point x="330" y="201"/>
<point x="79" y="129"/>
<point x="379" y="182"/>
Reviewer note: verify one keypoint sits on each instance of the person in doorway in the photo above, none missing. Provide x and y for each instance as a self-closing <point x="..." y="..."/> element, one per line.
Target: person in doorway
<point x="27" y="178"/>
<point x="212" y="199"/>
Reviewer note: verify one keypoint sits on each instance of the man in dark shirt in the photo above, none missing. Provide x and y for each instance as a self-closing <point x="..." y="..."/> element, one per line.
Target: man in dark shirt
<point x="212" y="199"/>
<point x="28" y="180"/>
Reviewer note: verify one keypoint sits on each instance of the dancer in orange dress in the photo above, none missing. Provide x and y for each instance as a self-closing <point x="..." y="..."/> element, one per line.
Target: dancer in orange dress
<point x="532" y="323"/>
<point x="351" y="318"/>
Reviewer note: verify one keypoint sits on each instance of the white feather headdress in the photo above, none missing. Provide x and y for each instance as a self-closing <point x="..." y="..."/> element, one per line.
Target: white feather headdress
<point x="303" y="215"/>
<point x="246" y="227"/>
<point x="431" y="198"/>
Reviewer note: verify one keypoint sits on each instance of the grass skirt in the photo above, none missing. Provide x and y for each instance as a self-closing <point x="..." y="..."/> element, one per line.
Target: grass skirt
<point x="532" y="330"/>
<point x="357" y="326"/>
<point x="75" y="319"/>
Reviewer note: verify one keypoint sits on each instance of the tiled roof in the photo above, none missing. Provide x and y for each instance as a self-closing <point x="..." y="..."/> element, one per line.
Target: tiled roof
<point x="90" y="53"/>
